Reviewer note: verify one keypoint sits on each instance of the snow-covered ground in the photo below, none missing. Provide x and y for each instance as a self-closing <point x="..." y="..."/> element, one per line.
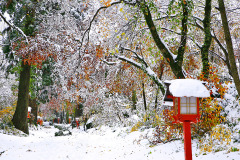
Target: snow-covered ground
<point x="102" y="144"/>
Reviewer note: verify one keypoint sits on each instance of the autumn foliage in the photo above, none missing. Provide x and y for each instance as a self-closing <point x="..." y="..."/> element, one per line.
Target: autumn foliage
<point x="210" y="109"/>
<point x="167" y="131"/>
<point x="35" y="52"/>
<point x="106" y="3"/>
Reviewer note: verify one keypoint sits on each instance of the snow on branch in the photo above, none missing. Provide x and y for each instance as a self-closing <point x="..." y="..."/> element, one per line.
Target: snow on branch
<point x="140" y="58"/>
<point x="109" y="63"/>
<point x="130" y="61"/>
<point x="146" y="70"/>
<point x="198" y="18"/>
<point x="13" y="26"/>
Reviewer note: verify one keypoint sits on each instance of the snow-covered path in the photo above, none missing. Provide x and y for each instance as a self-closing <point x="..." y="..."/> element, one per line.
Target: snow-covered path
<point x="42" y="144"/>
<point x="106" y="144"/>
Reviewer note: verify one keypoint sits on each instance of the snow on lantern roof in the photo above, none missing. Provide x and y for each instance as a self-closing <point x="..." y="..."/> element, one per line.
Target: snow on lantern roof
<point x="29" y="109"/>
<point x="188" y="88"/>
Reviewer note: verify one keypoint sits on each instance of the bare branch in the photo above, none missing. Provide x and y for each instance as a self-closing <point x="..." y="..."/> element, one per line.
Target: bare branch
<point x="198" y="45"/>
<point x="171" y="31"/>
<point x="198" y="18"/>
<point x="146" y="70"/>
<point x="96" y="14"/>
<point x="217" y="55"/>
<point x="165" y="17"/>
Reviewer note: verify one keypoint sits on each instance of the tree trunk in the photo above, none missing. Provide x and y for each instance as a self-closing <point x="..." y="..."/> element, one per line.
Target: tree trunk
<point x="20" y="116"/>
<point x="156" y="98"/>
<point x="208" y="38"/>
<point x="230" y="50"/>
<point x="134" y="99"/>
<point x="144" y="97"/>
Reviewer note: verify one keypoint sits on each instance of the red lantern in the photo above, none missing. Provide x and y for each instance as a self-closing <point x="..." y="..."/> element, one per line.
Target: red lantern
<point x="184" y="96"/>
<point x="186" y="109"/>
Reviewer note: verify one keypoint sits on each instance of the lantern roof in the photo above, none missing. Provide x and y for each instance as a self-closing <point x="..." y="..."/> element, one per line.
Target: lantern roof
<point x="188" y="88"/>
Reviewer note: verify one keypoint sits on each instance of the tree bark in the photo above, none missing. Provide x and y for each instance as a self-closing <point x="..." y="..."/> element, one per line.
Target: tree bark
<point x="156" y="99"/>
<point x="230" y="50"/>
<point x="134" y="99"/>
<point x="144" y="97"/>
<point x="20" y="116"/>
<point x="208" y="38"/>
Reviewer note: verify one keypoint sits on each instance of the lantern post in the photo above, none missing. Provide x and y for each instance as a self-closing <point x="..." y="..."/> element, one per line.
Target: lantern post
<point x="184" y="96"/>
<point x="187" y="140"/>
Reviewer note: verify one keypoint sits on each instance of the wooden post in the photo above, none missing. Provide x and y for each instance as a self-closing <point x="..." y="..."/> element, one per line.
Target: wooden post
<point x="187" y="140"/>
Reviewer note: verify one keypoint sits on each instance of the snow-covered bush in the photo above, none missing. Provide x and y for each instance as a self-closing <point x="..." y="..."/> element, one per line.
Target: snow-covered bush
<point x="217" y="140"/>
<point x="113" y="111"/>
<point x="6" y="116"/>
<point x="232" y="111"/>
<point x="166" y="131"/>
<point x="7" y="94"/>
<point x="6" y="125"/>
<point x="231" y="105"/>
<point x="220" y="137"/>
<point x="7" y="97"/>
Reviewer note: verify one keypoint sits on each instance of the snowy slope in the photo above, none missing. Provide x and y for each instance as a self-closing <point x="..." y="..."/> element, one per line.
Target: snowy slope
<point x="103" y="144"/>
